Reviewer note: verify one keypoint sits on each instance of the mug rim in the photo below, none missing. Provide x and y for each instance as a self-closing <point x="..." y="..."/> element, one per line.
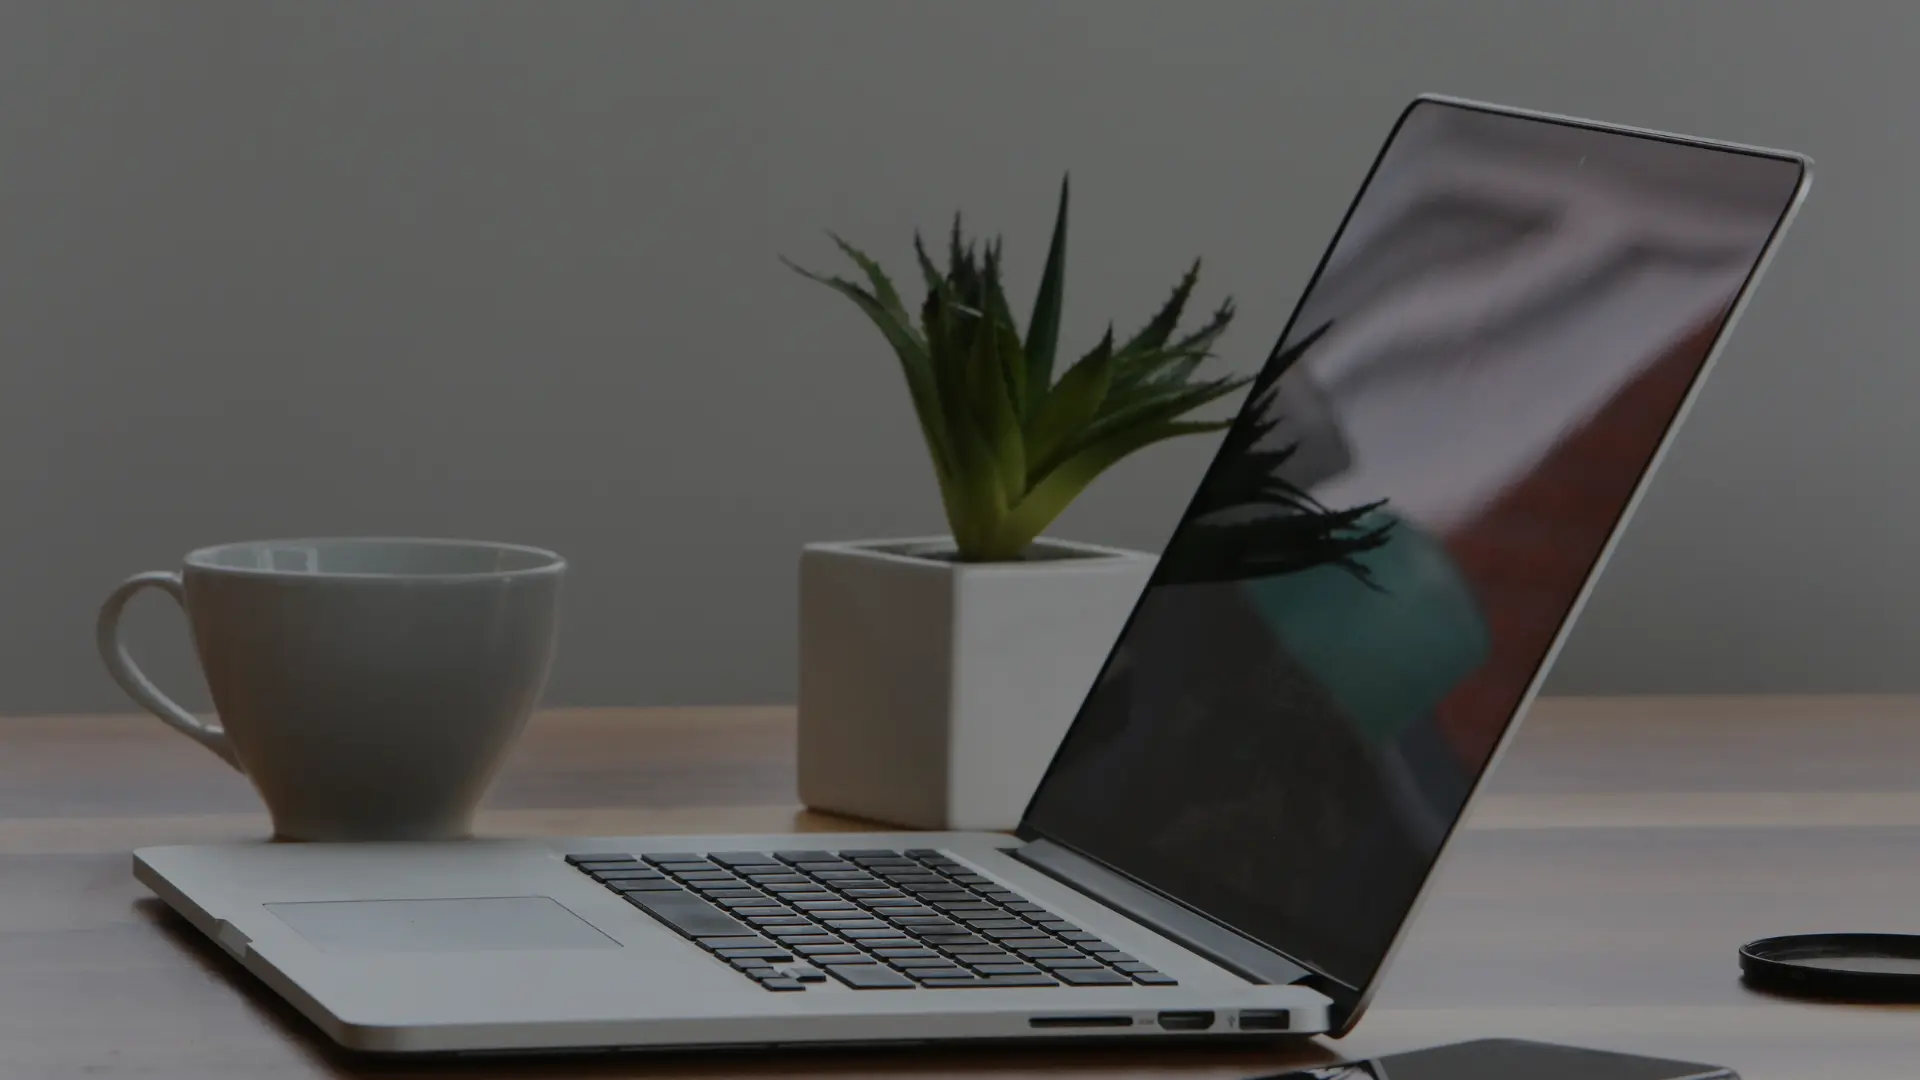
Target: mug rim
<point x="550" y="562"/>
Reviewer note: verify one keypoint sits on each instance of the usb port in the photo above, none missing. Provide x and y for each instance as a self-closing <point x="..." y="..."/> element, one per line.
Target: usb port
<point x="1186" y="1021"/>
<point x="1264" y="1020"/>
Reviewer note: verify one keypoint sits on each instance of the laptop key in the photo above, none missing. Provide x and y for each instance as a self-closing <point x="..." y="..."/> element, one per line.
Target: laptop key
<point x="950" y="971"/>
<point x="1072" y="962"/>
<point x="645" y="886"/>
<point x="1006" y="969"/>
<point x="1042" y="952"/>
<point x="796" y="936"/>
<point x="996" y="921"/>
<point x="1154" y="978"/>
<point x="780" y="920"/>
<point x="823" y="951"/>
<point x="738" y="858"/>
<point x="688" y="914"/>
<point x="600" y="857"/>
<point x="1018" y="980"/>
<point x="906" y="962"/>
<point x="806" y="856"/>
<point x="771" y="954"/>
<point x="734" y="941"/>
<point x="1133" y="966"/>
<point x="632" y="871"/>
<point x="869" y="977"/>
<point x="1090" y="977"/>
<point x="1113" y="956"/>
<point x="806" y="974"/>
<point x="782" y="983"/>
<point x="962" y="983"/>
<point x="911" y="877"/>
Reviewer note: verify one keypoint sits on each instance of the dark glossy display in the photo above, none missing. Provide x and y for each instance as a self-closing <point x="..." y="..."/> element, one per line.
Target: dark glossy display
<point x="1404" y="514"/>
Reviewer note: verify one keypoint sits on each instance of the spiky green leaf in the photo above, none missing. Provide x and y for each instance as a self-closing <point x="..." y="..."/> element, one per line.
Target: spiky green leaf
<point x="876" y="277"/>
<point x="1045" y="501"/>
<point x="1007" y="345"/>
<point x="914" y="362"/>
<point x="1043" y="326"/>
<point x="988" y="392"/>
<point x="1161" y="326"/>
<point x="1141" y="408"/>
<point x="1072" y="404"/>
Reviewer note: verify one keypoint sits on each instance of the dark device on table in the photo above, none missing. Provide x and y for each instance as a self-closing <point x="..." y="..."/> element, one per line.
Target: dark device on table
<point x="1512" y="1059"/>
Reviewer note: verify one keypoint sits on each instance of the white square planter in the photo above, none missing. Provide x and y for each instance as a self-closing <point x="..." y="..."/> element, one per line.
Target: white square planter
<point x="934" y="693"/>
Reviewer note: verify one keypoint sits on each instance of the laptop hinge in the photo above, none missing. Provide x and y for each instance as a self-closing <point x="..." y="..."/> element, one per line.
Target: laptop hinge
<point x="1235" y="952"/>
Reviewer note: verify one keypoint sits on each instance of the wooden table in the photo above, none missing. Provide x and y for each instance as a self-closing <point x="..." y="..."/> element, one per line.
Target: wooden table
<point x="1625" y="850"/>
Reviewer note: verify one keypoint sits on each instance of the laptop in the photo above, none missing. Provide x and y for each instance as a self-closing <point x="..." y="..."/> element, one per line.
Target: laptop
<point x="1357" y="604"/>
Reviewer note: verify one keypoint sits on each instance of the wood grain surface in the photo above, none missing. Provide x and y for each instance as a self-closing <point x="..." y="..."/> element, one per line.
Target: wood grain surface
<point x="1625" y="849"/>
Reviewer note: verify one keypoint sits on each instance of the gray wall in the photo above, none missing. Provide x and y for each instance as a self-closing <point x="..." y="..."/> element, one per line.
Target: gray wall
<point x="508" y="270"/>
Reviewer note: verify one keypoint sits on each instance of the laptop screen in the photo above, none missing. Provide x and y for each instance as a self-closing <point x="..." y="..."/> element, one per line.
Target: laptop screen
<point x="1402" y="517"/>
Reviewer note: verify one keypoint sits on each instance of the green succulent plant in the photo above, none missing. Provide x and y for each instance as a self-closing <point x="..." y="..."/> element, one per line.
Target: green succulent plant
<point x="1011" y="446"/>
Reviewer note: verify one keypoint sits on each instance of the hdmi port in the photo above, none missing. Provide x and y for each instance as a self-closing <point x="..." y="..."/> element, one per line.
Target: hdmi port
<point x="1199" y="1020"/>
<point x="1080" y="1021"/>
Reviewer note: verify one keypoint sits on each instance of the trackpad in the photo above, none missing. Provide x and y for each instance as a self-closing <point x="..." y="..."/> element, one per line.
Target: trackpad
<point x="463" y="924"/>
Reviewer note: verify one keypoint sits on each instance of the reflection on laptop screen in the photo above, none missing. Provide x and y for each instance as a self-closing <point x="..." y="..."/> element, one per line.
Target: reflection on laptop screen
<point x="1402" y="517"/>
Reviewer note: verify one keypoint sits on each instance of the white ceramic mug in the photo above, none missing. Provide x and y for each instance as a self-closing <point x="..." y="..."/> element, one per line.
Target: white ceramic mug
<point x="369" y="687"/>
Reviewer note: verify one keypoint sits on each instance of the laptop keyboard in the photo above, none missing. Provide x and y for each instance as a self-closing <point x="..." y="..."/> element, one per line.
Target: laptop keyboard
<point x="870" y="920"/>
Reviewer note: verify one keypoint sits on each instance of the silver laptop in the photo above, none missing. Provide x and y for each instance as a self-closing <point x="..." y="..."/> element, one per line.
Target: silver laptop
<point x="1357" y="604"/>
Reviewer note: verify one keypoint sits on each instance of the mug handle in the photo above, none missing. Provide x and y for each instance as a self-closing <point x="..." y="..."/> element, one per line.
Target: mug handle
<point x="135" y="682"/>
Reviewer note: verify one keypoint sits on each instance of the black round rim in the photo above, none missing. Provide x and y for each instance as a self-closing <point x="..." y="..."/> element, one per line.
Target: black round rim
<point x="1782" y="964"/>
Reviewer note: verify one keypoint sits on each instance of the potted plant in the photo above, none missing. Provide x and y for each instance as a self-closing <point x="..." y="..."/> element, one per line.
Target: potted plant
<point x="938" y="674"/>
